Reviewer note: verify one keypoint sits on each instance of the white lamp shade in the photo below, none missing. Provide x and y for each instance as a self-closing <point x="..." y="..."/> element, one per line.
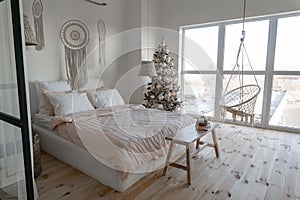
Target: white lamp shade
<point x="147" y="69"/>
<point x="29" y="36"/>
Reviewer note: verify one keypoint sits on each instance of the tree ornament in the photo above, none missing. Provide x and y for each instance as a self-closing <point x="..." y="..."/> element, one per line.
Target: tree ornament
<point x="161" y="97"/>
<point x="169" y="59"/>
<point x="160" y="106"/>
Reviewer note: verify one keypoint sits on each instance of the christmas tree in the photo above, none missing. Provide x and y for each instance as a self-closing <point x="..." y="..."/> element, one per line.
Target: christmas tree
<point x="163" y="90"/>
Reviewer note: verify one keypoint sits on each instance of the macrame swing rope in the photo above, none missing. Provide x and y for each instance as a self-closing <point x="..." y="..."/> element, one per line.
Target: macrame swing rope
<point x="240" y="101"/>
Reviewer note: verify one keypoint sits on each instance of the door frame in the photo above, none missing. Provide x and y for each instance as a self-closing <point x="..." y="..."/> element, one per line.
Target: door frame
<point x="23" y="122"/>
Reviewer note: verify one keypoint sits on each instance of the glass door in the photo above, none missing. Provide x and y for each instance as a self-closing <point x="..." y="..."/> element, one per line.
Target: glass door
<point x="16" y="178"/>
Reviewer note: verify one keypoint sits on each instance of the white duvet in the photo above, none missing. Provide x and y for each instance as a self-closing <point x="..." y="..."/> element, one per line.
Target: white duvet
<point x="122" y="137"/>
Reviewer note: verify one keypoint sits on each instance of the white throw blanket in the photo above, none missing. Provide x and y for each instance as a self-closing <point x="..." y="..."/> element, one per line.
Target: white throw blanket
<point x="122" y="137"/>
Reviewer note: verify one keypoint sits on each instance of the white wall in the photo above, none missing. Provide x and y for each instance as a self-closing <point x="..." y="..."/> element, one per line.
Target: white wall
<point x="151" y="19"/>
<point x="48" y="64"/>
<point x="122" y="73"/>
<point x="119" y="16"/>
<point x="176" y="13"/>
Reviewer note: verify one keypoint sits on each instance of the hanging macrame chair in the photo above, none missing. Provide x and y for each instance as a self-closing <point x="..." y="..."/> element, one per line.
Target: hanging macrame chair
<point x="240" y="101"/>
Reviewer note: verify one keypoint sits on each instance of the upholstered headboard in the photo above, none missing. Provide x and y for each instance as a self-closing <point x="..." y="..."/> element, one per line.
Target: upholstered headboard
<point x="33" y="99"/>
<point x="35" y="86"/>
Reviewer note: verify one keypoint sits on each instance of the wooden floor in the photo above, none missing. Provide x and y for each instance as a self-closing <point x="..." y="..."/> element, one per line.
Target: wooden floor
<point x="254" y="164"/>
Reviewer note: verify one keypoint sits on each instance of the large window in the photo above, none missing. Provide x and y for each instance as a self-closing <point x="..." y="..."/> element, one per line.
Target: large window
<point x="201" y="47"/>
<point x="200" y="66"/>
<point x="287" y="44"/>
<point x="209" y="55"/>
<point x="256" y="42"/>
<point x="286" y="79"/>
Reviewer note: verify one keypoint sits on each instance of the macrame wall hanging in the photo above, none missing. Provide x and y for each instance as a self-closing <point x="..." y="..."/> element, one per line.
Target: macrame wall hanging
<point x="37" y="10"/>
<point x="75" y="36"/>
<point x="102" y="36"/>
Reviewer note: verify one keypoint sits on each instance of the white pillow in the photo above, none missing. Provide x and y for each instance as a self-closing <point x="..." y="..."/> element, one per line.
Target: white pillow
<point x="68" y="103"/>
<point x="105" y="98"/>
<point x="53" y="86"/>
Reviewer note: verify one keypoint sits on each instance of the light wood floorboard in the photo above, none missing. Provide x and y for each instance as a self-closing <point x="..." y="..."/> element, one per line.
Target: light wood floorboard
<point x="254" y="164"/>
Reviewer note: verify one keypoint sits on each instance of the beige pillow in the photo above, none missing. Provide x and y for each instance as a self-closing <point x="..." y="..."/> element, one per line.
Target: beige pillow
<point x="105" y="98"/>
<point x="90" y="92"/>
<point x="48" y="107"/>
<point x="58" y="86"/>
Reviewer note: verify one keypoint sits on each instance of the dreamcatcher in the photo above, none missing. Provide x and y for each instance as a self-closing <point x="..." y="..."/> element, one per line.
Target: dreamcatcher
<point x="37" y="10"/>
<point x="75" y="36"/>
<point x="102" y="36"/>
<point x="240" y="101"/>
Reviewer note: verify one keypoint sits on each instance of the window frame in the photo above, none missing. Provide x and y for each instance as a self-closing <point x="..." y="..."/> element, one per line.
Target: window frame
<point x="269" y="71"/>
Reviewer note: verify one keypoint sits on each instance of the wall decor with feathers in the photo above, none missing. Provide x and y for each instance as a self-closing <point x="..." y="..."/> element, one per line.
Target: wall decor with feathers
<point x="102" y="36"/>
<point x="75" y="36"/>
<point x="37" y="10"/>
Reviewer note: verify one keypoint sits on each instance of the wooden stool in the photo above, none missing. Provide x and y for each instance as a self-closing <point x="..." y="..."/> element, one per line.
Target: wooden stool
<point x="186" y="137"/>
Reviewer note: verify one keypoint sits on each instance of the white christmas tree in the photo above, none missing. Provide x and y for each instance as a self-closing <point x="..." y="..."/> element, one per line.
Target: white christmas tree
<point x="162" y="92"/>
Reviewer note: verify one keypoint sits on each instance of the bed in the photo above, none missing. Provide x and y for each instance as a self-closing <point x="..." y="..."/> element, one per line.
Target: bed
<point x="89" y="153"/>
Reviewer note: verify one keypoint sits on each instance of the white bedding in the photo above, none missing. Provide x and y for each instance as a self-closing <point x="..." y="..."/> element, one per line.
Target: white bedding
<point x="82" y="160"/>
<point x="122" y="137"/>
<point x="88" y="162"/>
<point x="43" y="120"/>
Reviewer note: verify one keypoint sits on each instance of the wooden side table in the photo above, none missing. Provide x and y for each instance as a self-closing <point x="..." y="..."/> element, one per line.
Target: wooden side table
<point x="187" y="136"/>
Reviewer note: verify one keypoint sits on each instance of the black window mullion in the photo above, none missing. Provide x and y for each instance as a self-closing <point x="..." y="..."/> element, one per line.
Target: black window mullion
<point x="10" y="119"/>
